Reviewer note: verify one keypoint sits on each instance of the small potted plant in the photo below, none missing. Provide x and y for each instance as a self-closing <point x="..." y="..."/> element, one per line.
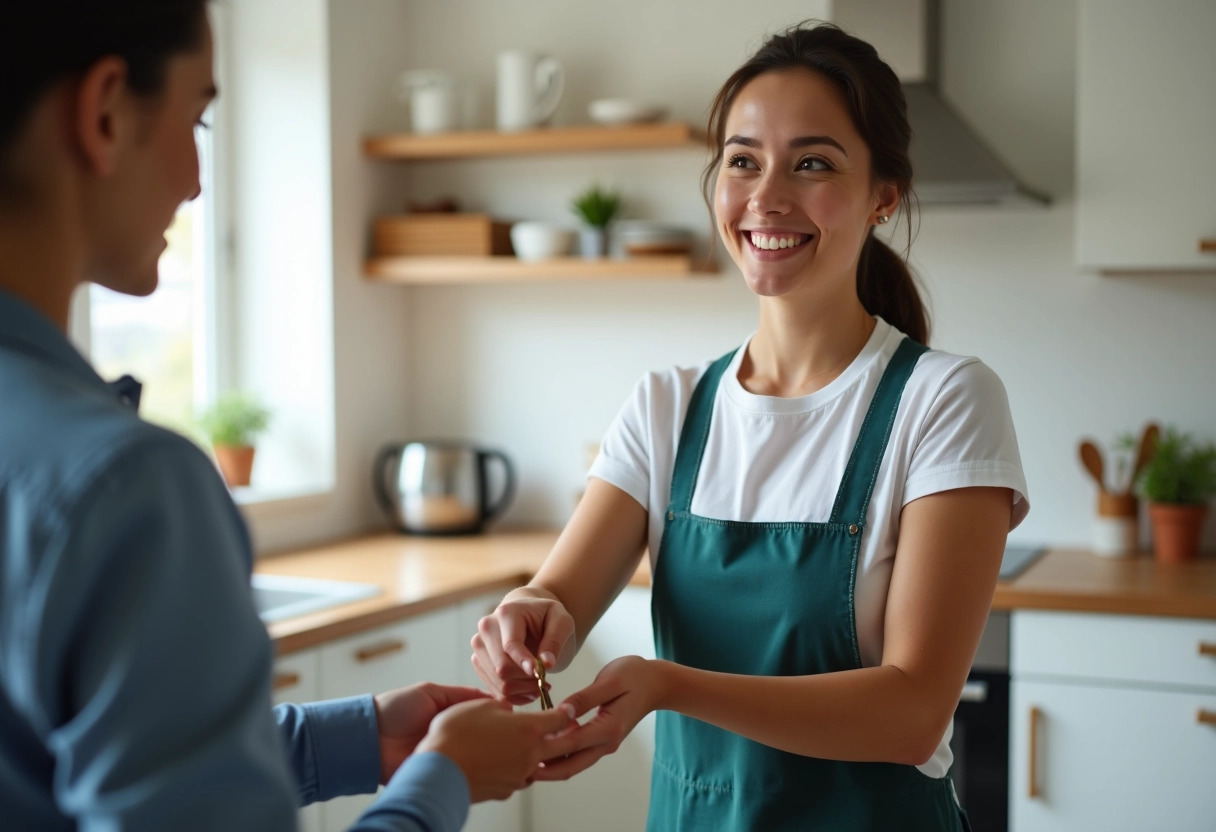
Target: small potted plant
<point x="595" y="207"/>
<point x="232" y="425"/>
<point x="1178" y="481"/>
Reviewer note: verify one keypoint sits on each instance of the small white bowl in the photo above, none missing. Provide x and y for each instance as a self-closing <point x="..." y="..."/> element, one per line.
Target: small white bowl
<point x="537" y="240"/>
<point x="615" y="111"/>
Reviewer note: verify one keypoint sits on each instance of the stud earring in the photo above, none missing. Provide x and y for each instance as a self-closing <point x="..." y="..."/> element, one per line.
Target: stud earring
<point x="883" y="219"/>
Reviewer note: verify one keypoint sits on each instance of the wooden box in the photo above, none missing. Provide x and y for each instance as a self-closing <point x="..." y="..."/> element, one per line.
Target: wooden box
<point x="430" y="235"/>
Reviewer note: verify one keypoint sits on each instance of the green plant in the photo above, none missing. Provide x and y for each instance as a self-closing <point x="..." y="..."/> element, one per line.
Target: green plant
<point x="597" y="206"/>
<point x="235" y="419"/>
<point x="1181" y="471"/>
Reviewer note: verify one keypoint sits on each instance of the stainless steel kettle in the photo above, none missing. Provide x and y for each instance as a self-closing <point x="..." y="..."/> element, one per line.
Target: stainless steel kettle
<point x="440" y="487"/>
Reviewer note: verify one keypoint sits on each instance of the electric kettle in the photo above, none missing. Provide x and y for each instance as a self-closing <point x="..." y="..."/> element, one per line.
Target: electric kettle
<point x="440" y="487"/>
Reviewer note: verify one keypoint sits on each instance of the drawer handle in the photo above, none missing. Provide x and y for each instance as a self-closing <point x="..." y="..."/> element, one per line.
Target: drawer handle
<point x="1207" y="648"/>
<point x="1206" y="717"/>
<point x="1035" y="716"/>
<point x="974" y="691"/>
<point x="375" y="651"/>
<point x="285" y="680"/>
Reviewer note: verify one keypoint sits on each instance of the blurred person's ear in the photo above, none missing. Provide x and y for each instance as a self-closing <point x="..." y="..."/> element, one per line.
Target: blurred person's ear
<point x="104" y="115"/>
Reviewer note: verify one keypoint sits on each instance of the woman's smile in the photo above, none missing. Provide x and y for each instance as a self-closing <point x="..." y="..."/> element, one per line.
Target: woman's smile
<point x="775" y="244"/>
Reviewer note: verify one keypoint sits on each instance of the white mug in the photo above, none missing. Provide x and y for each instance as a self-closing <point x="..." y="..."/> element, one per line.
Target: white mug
<point x="529" y="88"/>
<point x="433" y="99"/>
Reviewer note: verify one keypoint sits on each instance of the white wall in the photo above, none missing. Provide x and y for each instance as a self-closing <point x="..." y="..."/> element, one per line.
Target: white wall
<point x="540" y="370"/>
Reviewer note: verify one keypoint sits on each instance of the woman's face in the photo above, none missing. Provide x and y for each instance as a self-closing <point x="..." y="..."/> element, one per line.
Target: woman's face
<point x="159" y="170"/>
<point x="794" y="198"/>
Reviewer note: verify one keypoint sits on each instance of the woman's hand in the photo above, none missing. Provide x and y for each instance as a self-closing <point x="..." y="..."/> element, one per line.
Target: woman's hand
<point x="625" y="691"/>
<point x="527" y="623"/>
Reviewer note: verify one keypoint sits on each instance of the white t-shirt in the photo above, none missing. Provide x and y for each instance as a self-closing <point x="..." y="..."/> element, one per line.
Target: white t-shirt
<point x="771" y="459"/>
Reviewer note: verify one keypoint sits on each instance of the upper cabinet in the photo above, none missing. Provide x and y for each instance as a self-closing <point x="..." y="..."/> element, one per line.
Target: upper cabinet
<point x="1146" y="123"/>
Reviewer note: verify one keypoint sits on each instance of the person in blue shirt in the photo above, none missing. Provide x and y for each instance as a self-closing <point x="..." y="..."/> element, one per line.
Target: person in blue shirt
<point x="134" y="670"/>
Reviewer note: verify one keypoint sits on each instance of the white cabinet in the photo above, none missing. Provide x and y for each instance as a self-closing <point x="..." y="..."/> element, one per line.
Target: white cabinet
<point x="614" y="794"/>
<point x="297" y="678"/>
<point x="1146" y="117"/>
<point x="1113" y="723"/>
<point x="424" y="648"/>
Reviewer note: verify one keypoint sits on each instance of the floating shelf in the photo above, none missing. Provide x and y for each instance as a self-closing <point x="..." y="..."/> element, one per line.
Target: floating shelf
<point x="469" y="143"/>
<point x="457" y="270"/>
<point x="1208" y="245"/>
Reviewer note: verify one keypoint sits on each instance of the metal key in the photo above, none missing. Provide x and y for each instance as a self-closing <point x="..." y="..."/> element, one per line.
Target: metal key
<point x="538" y="670"/>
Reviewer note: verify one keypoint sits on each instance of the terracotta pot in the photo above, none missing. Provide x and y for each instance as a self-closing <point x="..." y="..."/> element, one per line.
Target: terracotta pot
<point x="1176" y="531"/>
<point x="236" y="463"/>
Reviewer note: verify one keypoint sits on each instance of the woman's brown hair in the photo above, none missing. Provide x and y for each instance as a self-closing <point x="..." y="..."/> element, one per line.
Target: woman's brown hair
<point x="876" y="103"/>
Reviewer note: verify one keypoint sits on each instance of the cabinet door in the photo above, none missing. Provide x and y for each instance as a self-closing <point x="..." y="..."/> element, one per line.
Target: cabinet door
<point x="297" y="679"/>
<point x="492" y="815"/>
<point x="1106" y="758"/>
<point x="614" y="794"/>
<point x="1146" y="115"/>
<point x="421" y="649"/>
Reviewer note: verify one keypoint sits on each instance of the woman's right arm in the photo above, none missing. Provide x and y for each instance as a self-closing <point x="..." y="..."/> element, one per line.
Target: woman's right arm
<point x="590" y="564"/>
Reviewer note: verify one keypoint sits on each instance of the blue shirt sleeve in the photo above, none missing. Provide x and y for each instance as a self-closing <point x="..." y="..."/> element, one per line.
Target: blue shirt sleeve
<point x="332" y="747"/>
<point x="144" y="671"/>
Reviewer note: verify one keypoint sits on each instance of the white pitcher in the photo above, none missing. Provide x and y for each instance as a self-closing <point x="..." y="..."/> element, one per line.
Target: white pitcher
<point x="529" y="89"/>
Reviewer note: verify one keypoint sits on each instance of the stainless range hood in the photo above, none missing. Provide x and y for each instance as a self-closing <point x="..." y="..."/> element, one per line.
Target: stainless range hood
<point x="951" y="165"/>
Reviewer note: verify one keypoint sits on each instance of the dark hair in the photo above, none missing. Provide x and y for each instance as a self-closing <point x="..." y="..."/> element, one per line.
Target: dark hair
<point x="875" y="99"/>
<point x="45" y="41"/>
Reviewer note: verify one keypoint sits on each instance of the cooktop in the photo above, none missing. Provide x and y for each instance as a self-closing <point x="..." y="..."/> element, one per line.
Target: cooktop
<point x="1017" y="559"/>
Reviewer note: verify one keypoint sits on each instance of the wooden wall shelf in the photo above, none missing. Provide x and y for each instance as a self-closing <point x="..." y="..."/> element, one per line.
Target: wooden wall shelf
<point x="1208" y="245"/>
<point x="471" y="143"/>
<point x="460" y="270"/>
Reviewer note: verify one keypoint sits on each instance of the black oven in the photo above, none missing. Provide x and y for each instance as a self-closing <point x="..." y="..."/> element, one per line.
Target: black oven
<point x="981" y="732"/>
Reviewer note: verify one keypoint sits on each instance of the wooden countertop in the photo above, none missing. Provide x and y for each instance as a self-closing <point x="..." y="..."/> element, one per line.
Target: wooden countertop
<point x="418" y="574"/>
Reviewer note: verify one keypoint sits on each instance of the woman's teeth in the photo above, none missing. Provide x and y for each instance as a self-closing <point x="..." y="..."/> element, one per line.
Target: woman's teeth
<point x="772" y="242"/>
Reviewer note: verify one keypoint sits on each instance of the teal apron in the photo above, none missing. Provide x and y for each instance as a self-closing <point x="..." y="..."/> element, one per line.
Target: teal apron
<point x="773" y="599"/>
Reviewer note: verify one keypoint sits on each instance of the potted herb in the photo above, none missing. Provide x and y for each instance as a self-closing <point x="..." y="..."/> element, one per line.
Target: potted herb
<point x="232" y="425"/>
<point x="1178" y="481"/>
<point x="595" y="207"/>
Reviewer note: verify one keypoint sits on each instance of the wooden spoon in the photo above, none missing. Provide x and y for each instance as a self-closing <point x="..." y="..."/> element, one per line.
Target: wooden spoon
<point x="1091" y="458"/>
<point x="1148" y="447"/>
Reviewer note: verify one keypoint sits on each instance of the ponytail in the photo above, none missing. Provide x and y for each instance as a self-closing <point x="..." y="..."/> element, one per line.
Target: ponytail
<point x="887" y="289"/>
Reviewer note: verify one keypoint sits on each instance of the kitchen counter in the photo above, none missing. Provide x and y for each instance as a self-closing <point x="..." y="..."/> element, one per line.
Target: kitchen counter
<point x="418" y="574"/>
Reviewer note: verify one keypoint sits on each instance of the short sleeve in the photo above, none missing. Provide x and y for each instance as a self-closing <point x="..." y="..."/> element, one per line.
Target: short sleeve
<point x="625" y="451"/>
<point x="967" y="440"/>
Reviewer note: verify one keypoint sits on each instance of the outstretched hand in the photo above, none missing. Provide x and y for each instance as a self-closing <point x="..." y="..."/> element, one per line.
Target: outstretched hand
<point x="403" y="717"/>
<point x="624" y="691"/>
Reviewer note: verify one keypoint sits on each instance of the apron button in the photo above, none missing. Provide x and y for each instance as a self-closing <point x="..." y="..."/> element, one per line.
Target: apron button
<point x="671" y="515"/>
<point x="853" y="528"/>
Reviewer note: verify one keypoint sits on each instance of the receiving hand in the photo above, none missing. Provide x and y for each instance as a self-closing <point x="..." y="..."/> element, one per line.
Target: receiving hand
<point x="526" y="624"/>
<point x="403" y="717"/>
<point x="497" y="749"/>
<point x="625" y="691"/>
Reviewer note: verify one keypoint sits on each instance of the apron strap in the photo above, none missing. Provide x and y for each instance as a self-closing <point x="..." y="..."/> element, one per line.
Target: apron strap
<point x="694" y="434"/>
<point x="853" y="498"/>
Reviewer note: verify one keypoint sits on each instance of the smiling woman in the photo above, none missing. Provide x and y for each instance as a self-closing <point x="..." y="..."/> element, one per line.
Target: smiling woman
<point x="825" y="507"/>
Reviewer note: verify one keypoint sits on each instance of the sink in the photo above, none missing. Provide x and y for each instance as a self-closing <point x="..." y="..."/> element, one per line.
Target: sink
<point x="283" y="596"/>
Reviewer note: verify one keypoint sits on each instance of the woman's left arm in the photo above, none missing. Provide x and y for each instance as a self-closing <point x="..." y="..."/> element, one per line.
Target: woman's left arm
<point x="948" y="555"/>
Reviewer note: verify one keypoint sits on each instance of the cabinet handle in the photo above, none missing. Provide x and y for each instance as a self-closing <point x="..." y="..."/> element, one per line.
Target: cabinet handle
<point x="285" y="680"/>
<point x="1207" y="245"/>
<point x="1206" y="717"/>
<point x="1035" y="716"/>
<point x="1207" y="648"/>
<point x="375" y="651"/>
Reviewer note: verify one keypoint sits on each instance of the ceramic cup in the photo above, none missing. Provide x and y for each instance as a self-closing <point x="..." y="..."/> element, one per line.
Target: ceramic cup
<point x="529" y="89"/>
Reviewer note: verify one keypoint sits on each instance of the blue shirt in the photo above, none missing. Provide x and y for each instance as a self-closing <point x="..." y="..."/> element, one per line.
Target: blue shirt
<point x="134" y="670"/>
